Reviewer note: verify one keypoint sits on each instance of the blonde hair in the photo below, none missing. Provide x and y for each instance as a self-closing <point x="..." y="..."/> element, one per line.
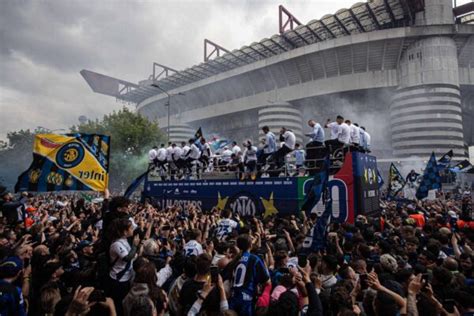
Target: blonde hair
<point x="49" y="297"/>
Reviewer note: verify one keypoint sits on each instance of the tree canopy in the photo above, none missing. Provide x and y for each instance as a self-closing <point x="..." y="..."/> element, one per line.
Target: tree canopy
<point x="131" y="136"/>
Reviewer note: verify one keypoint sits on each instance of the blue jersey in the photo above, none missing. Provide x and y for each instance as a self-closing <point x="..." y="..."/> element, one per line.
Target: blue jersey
<point x="11" y="300"/>
<point x="249" y="272"/>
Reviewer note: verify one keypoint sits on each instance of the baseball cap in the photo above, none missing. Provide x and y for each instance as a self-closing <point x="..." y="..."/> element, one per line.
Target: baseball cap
<point x="11" y="266"/>
<point x="83" y="244"/>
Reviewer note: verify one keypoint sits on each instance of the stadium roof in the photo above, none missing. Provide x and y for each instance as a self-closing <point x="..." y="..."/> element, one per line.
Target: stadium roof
<point x="361" y="17"/>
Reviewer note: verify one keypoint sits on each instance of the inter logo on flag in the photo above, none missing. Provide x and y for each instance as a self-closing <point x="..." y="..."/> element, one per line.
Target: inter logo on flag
<point x="67" y="162"/>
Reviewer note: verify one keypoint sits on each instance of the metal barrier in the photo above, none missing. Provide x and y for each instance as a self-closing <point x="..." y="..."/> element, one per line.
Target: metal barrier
<point x="336" y="159"/>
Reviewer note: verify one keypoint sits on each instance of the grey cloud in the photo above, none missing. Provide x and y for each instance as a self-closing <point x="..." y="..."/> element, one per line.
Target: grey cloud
<point x="44" y="45"/>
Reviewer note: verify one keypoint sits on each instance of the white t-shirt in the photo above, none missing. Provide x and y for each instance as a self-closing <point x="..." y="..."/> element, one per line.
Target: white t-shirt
<point x="344" y="133"/>
<point x="236" y="149"/>
<point x="177" y="153"/>
<point x="334" y="128"/>
<point x="118" y="250"/>
<point x="152" y="154"/>
<point x="206" y="150"/>
<point x="355" y="134"/>
<point x="226" y="155"/>
<point x="169" y="153"/>
<point x="225" y="228"/>
<point x="216" y="258"/>
<point x="289" y="139"/>
<point x="161" y="154"/>
<point x="185" y="151"/>
<point x="192" y="248"/>
<point x="194" y="153"/>
<point x="250" y="154"/>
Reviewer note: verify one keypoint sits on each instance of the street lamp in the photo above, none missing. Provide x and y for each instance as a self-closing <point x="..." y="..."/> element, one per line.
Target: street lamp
<point x="168" y="103"/>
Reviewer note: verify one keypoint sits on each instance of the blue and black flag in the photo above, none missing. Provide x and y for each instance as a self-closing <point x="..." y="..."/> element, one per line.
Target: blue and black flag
<point x="463" y="167"/>
<point x="431" y="178"/>
<point x="317" y="239"/>
<point x="318" y="189"/>
<point x="445" y="160"/>
<point x="198" y="134"/>
<point x="396" y="181"/>
<point x="135" y="184"/>
<point x="197" y="138"/>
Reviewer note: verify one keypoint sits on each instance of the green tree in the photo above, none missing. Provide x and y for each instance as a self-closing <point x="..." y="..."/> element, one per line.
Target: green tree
<point x="131" y="137"/>
<point x="24" y="138"/>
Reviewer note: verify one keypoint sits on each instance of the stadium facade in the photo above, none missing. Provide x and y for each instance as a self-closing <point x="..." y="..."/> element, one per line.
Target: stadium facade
<point x="404" y="69"/>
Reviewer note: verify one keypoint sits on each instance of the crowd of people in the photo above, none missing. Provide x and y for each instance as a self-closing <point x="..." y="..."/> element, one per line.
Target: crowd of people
<point x="266" y="158"/>
<point x="73" y="255"/>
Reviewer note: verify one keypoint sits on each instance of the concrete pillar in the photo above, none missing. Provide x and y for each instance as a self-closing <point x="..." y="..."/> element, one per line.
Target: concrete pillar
<point x="436" y="12"/>
<point x="180" y="133"/>
<point x="426" y="112"/>
<point x="278" y="115"/>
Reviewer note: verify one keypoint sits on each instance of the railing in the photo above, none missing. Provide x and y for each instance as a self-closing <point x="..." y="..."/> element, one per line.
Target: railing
<point x="198" y="171"/>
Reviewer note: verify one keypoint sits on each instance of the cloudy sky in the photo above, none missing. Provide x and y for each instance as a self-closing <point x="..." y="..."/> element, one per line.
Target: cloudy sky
<point x="44" y="45"/>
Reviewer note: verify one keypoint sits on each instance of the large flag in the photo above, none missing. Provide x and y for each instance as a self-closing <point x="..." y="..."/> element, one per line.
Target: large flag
<point x="77" y="162"/>
<point x="317" y="238"/>
<point x="198" y="134"/>
<point x="463" y="167"/>
<point x="135" y="184"/>
<point x="319" y="186"/>
<point x="396" y="181"/>
<point x="444" y="161"/>
<point x="197" y="138"/>
<point x="431" y="179"/>
<point x="218" y="144"/>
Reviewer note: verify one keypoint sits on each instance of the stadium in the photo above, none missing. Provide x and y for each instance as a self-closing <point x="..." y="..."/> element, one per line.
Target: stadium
<point x="404" y="69"/>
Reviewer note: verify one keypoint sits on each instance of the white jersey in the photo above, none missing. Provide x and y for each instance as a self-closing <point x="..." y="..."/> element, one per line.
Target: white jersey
<point x="169" y="153"/>
<point x="225" y="228"/>
<point x="334" y="128"/>
<point x="206" y="150"/>
<point x="290" y="139"/>
<point x="161" y="154"/>
<point x="194" y="152"/>
<point x="236" y="149"/>
<point x="355" y="134"/>
<point x="192" y="248"/>
<point x="344" y="133"/>
<point x="250" y="154"/>
<point x="226" y="155"/>
<point x="185" y="152"/>
<point x="152" y="154"/>
<point x="118" y="250"/>
<point x="177" y="153"/>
